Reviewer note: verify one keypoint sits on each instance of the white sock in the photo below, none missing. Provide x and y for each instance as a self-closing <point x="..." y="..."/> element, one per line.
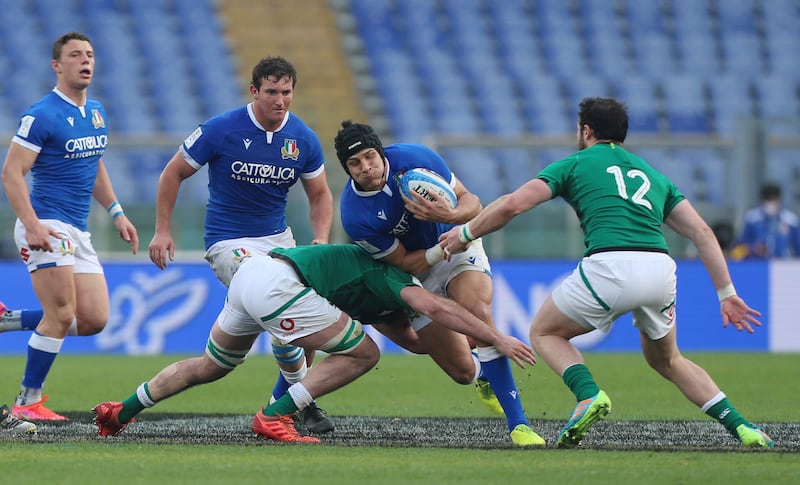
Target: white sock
<point x="300" y="396"/>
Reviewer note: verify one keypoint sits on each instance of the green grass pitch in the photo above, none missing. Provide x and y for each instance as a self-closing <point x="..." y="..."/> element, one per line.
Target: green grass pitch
<point x="405" y="397"/>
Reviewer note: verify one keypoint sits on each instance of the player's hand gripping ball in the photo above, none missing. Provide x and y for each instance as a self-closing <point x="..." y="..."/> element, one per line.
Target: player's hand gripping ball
<point x="428" y="184"/>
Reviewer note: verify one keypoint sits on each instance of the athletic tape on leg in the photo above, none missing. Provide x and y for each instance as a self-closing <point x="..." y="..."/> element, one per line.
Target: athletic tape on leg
<point x="346" y="340"/>
<point x="227" y="359"/>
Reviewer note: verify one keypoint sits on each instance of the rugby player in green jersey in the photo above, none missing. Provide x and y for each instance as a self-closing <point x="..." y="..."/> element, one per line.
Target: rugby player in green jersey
<point x="621" y="202"/>
<point x="313" y="297"/>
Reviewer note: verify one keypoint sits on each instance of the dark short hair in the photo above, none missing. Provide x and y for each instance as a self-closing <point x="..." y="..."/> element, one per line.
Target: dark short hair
<point x="607" y="117"/>
<point x="273" y="66"/>
<point x="354" y="137"/>
<point x="770" y="191"/>
<point x="59" y="44"/>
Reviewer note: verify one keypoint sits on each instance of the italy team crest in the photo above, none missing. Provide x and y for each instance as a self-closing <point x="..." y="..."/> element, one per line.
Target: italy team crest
<point x="290" y="150"/>
<point x="240" y="254"/>
<point x="66" y="247"/>
<point x="97" y="119"/>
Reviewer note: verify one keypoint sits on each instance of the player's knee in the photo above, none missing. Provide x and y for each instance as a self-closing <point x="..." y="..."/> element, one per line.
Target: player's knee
<point x="462" y="376"/>
<point x="91" y="323"/>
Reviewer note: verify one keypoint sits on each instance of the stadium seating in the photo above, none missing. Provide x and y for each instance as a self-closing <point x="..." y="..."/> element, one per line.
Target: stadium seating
<point x="466" y="68"/>
<point x="692" y="67"/>
<point x="162" y="68"/>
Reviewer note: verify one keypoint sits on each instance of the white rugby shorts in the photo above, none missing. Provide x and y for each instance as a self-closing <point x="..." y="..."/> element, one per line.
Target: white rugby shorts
<point x="267" y="296"/>
<point x="608" y="285"/>
<point x="226" y="256"/>
<point x="73" y="249"/>
<point x="438" y="277"/>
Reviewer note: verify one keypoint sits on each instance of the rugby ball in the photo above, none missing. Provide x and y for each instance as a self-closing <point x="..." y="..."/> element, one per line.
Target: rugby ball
<point x="428" y="184"/>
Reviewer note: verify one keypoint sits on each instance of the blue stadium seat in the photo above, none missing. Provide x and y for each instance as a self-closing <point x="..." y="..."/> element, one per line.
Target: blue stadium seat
<point x="518" y="165"/>
<point x="743" y="54"/>
<point x="778" y="103"/>
<point x="698" y="55"/>
<point x="644" y="18"/>
<point x="654" y="55"/>
<point x="706" y="166"/>
<point x="737" y="16"/>
<point x="692" y="18"/>
<point x="584" y="85"/>
<point x="685" y="103"/>
<point x="641" y="98"/>
<point x="474" y="167"/>
<point x="731" y="99"/>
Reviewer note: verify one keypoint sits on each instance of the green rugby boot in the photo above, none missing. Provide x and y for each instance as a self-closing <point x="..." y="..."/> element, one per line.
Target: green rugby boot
<point x="753" y="437"/>
<point x="586" y="413"/>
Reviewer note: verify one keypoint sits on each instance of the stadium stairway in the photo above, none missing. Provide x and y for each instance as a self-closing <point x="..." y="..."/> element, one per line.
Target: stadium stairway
<point x="306" y="34"/>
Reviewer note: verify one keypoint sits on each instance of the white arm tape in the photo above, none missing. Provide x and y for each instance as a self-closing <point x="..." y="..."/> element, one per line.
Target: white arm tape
<point x="434" y="254"/>
<point x="726" y="292"/>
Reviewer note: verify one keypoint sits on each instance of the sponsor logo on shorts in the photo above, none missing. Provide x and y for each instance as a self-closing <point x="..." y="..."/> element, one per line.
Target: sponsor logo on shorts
<point x="287" y="324"/>
<point x="25" y="254"/>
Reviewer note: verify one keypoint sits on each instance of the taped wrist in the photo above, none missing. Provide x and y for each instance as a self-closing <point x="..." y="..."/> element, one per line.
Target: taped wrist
<point x="726" y="291"/>
<point x="434" y="254"/>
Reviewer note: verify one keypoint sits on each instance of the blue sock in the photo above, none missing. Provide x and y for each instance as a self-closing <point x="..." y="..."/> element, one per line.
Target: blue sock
<point x="281" y="386"/>
<point x="42" y="351"/>
<point x="498" y="373"/>
<point x="31" y="319"/>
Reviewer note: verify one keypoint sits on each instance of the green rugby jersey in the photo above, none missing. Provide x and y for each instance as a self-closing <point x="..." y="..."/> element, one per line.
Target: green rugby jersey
<point x="619" y="198"/>
<point x="350" y="279"/>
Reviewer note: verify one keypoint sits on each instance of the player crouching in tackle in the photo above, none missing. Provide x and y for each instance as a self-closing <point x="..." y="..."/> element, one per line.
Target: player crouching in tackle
<point x="289" y="295"/>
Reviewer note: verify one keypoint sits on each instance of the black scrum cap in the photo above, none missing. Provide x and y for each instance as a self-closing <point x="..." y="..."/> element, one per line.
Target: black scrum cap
<point x="354" y="137"/>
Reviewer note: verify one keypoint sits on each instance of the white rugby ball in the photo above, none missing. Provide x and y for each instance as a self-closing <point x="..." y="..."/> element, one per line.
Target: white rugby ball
<point x="428" y="184"/>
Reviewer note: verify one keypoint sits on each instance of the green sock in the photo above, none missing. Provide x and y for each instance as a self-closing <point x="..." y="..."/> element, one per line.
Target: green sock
<point x="726" y="414"/>
<point x="580" y="381"/>
<point x="283" y="406"/>
<point x="130" y="408"/>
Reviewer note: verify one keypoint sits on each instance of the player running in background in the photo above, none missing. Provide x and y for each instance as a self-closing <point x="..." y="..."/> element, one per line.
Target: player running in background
<point x="291" y="294"/>
<point x="254" y="154"/>
<point x="622" y="203"/>
<point x="404" y="233"/>
<point x="60" y="141"/>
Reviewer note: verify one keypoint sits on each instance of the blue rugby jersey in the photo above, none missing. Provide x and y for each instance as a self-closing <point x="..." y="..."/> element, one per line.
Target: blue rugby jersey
<point x="69" y="141"/>
<point x="377" y="220"/>
<point x="250" y="171"/>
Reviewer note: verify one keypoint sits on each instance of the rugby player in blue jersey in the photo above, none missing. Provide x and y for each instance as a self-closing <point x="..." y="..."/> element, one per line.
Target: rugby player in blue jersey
<point x="254" y="155"/>
<point x="405" y="233"/>
<point x="60" y="141"/>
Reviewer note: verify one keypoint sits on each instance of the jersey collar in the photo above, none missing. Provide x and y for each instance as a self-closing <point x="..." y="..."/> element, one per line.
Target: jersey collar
<point x="63" y="96"/>
<point x="258" y="125"/>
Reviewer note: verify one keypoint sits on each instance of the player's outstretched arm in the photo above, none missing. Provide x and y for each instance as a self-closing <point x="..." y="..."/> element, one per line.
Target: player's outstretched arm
<point x="457" y="318"/>
<point x="496" y="215"/>
<point x="685" y="220"/>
